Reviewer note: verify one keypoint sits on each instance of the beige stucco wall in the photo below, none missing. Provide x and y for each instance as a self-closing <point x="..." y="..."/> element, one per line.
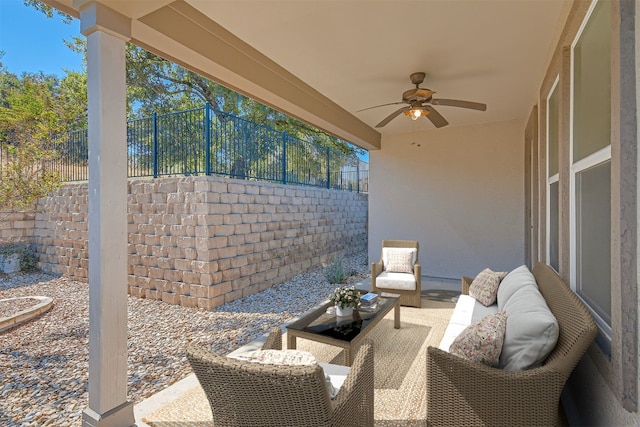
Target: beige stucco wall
<point x="459" y="193"/>
<point x="602" y="390"/>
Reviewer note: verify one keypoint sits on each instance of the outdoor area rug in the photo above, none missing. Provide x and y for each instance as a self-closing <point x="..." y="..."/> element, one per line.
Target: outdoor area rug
<point x="400" y="368"/>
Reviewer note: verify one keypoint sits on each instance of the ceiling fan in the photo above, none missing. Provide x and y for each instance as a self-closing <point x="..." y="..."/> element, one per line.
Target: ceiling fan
<point x="420" y="101"/>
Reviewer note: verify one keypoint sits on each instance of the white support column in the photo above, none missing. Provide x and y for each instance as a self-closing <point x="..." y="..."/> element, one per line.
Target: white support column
<point x="106" y="39"/>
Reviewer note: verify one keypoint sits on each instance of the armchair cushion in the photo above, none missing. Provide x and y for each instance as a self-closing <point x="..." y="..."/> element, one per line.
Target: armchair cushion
<point x="481" y="342"/>
<point x="399" y="260"/>
<point x="484" y="287"/>
<point x="401" y="281"/>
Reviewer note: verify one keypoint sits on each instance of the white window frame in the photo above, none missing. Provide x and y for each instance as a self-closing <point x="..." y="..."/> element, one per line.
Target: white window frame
<point x="550" y="179"/>
<point x="591" y="160"/>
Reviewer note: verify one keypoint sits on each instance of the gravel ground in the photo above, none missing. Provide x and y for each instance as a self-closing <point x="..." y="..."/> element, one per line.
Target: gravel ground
<point x="44" y="363"/>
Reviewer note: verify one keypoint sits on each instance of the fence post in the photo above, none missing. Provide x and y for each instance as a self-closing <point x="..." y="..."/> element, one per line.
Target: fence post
<point x="284" y="157"/>
<point x="328" y="167"/>
<point x="207" y="138"/>
<point x="357" y="174"/>
<point x="155" y="145"/>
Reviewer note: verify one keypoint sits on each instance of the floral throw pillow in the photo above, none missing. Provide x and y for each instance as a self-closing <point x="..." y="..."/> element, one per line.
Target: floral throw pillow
<point x="399" y="262"/>
<point x="481" y="342"/>
<point x="278" y="357"/>
<point x="286" y="357"/>
<point x="484" y="287"/>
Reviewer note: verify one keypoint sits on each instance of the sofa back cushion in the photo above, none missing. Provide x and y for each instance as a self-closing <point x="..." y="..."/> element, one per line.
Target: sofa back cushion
<point x="516" y="279"/>
<point x="532" y="330"/>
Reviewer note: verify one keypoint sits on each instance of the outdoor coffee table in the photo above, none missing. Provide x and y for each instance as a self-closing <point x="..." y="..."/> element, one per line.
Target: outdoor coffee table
<point x="345" y="332"/>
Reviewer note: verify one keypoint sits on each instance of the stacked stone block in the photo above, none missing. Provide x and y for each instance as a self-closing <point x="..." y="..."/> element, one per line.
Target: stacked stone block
<point x="203" y="241"/>
<point x="61" y="231"/>
<point x="16" y="226"/>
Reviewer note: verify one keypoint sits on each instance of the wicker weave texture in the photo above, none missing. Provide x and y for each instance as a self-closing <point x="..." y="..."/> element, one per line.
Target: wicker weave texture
<point x="463" y="393"/>
<point x="408" y="298"/>
<point x="245" y="394"/>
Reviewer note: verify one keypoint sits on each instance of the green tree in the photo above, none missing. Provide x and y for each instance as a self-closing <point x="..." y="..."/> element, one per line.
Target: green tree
<point x="29" y="116"/>
<point x="155" y="85"/>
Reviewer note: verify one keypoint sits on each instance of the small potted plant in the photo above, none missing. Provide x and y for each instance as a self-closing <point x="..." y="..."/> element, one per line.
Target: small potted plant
<point x="346" y="299"/>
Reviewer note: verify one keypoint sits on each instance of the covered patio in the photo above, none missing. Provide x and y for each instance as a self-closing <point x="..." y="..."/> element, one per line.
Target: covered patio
<point x="495" y="188"/>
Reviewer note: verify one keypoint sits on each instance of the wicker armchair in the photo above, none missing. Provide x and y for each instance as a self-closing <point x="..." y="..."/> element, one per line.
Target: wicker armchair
<point x="410" y="297"/>
<point x="463" y="393"/>
<point x="251" y="394"/>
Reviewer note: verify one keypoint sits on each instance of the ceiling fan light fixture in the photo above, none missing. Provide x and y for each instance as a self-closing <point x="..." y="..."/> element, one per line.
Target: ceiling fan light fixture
<point x="416" y="112"/>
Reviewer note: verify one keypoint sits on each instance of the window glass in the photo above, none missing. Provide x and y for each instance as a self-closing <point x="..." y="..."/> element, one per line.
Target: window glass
<point x="593" y="238"/>
<point x="554" y="256"/>
<point x="591" y="84"/>
<point x="553" y="111"/>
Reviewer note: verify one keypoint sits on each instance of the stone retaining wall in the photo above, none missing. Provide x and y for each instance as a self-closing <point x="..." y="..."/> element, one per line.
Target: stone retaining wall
<point x="16" y="226"/>
<point x="202" y="241"/>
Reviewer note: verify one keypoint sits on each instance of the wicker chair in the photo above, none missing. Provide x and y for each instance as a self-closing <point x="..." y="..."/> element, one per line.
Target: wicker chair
<point x="464" y="393"/>
<point x="410" y="297"/>
<point x="243" y="394"/>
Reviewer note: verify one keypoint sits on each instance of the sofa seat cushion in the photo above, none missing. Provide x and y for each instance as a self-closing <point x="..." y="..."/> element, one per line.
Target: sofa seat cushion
<point x="466" y="312"/>
<point x="400" y="281"/>
<point x="532" y="330"/>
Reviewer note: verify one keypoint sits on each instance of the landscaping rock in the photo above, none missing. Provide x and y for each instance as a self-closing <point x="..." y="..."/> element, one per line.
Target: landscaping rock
<point x="10" y="263"/>
<point x="44" y="363"/>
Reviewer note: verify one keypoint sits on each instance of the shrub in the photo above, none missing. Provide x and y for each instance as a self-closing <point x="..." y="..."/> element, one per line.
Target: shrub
<point x="28" y="257"/>
<point x="335" y="272"/>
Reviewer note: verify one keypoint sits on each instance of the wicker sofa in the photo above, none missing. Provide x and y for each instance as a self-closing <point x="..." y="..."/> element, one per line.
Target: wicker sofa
<point x="460" y="392"/>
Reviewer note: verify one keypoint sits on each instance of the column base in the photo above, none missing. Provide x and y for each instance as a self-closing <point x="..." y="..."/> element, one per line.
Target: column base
<point x="120" y="416"/>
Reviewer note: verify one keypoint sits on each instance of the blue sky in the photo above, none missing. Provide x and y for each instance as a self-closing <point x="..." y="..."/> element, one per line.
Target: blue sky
<point x="32" y="42"/>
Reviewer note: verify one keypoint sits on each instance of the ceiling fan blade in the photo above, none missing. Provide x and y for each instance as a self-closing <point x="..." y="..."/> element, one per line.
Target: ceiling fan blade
<point x="381" y="105"/>
<point x="435" y="117"/>
<point x="457" y="103"/>
<point x="392" y="116"/>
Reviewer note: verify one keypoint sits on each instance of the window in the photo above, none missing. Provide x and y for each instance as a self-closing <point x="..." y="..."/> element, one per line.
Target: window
<point x="553" y="137"/>
<point x="591" y="164"/>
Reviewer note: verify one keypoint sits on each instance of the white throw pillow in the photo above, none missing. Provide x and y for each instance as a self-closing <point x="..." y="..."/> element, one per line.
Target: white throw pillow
<point x="398" y="260"/>
<point x="532" y="330"/>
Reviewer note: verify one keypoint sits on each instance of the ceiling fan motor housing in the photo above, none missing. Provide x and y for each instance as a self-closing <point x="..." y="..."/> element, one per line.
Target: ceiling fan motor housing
<point x="417" y="95"/>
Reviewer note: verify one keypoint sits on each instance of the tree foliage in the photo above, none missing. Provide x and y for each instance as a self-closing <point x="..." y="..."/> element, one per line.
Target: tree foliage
<point x="158" y="86"/>
<point x="29" y="115"/>
<point x="155" y="85"/>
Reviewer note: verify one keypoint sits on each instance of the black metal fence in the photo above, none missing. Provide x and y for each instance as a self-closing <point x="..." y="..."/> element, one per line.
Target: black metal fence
<point x="204" y="141"/>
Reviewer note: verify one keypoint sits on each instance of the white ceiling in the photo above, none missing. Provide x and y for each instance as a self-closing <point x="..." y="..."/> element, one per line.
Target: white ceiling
<point x="360" y="53"/>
